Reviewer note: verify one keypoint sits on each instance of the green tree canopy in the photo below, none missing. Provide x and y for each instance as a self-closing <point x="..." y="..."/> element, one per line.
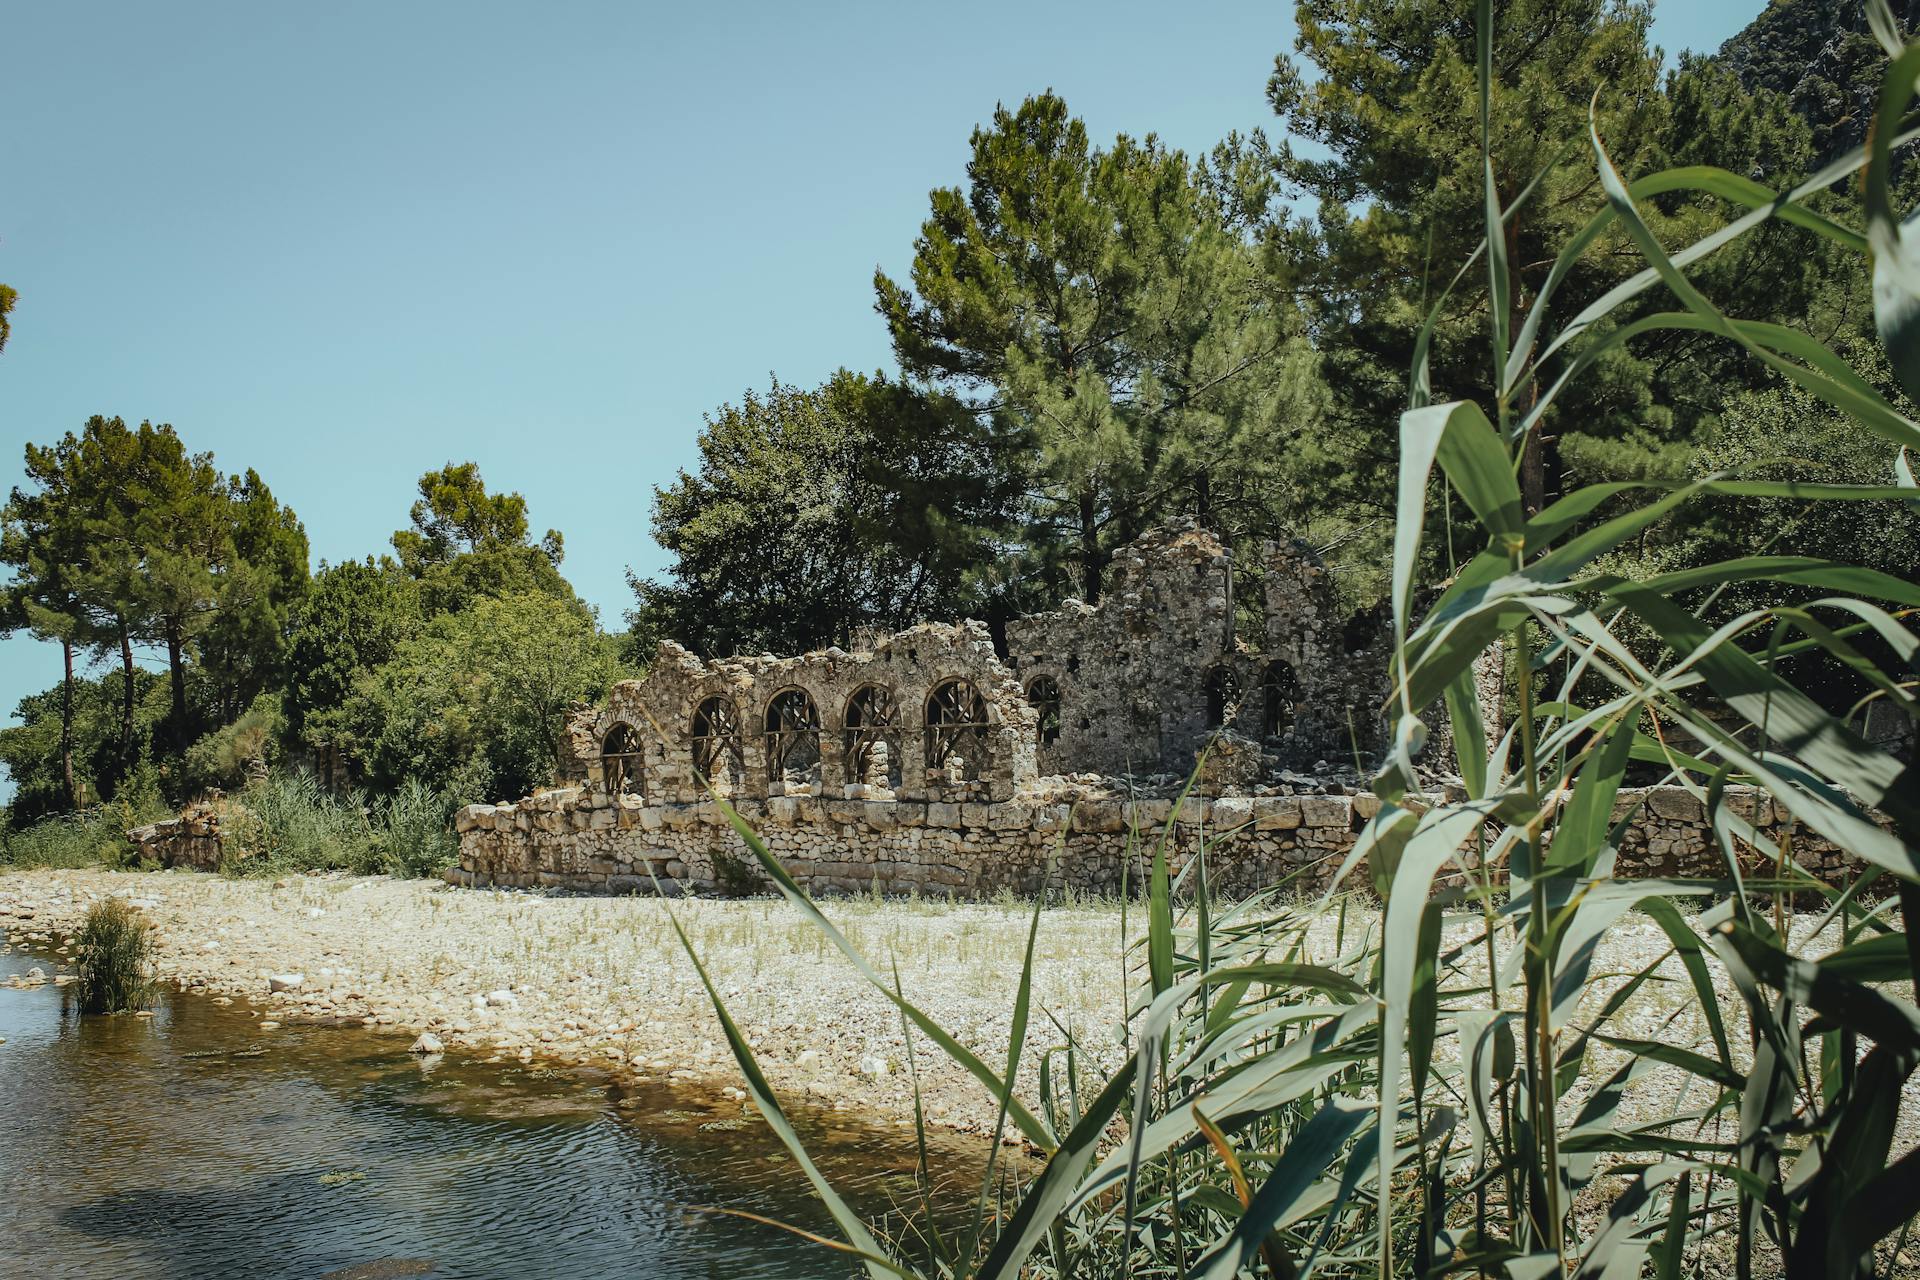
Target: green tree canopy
<point x="354" y="617"/>
<point x="465" y="543"/>
<point x="1380" y="103"/>
<point x="1107" y="311"/>
<point x="474" y="702"/>
<point x="814" y="512"/>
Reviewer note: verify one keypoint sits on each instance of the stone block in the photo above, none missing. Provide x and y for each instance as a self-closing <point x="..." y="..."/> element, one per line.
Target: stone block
<point x="942" y="814"/>
<point x="1099" y="816"/>
<point x="1150" y="815"/>
<point x="1049" y="819"/>
<point x="1325" y="812"/>
<point x="1232" y="811"/>
<point x="1674" y="804"/>
<point x="1276" y="813"/>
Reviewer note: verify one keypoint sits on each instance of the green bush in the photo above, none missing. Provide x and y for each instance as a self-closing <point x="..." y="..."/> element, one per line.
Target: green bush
<point x="416" y="831"/>
<point x="287" y="821"/>
<point x="92" y="837"/>
<point x="115" y="953"/>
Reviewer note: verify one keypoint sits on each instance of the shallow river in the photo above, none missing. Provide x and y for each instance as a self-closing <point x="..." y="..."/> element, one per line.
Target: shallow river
<point x="194" y="1144"/>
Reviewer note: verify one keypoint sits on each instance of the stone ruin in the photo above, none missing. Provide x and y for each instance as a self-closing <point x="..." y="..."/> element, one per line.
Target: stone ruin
<point x="925" y="761"/>
<point x="194" y="840"/>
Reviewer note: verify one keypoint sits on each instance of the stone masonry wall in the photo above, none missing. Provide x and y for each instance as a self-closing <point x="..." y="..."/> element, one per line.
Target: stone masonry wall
<point x="192" y="840"/>
<point x="583" y="839"/>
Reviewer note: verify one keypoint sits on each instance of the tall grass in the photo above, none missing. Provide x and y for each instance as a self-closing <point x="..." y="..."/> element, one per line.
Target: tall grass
<point x="282" y="823"/>
<point x="289" y="822"/>
<point x="94" y="836"/>
<point x="1455" y="1093"/>
<point x="114" y="959"/>
<point x="415" y="831"/>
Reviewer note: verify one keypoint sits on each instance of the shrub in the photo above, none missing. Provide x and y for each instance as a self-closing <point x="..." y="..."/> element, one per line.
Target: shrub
<point x="416" y="830"/>
<point x="115" y="950"/>
<point x="92" y="837"/>
<point x="288" y="822"/>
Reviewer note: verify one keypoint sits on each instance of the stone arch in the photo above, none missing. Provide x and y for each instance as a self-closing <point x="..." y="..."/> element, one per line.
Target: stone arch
<point x="622" y="761"/>
<point x="956" y="731"/>
<point x="792" y="726"/>
<point x="714" y="735"/>
<point x="1223" y="695"/>
<point x="871" y="728"/>
<point x="1281" y="698"/>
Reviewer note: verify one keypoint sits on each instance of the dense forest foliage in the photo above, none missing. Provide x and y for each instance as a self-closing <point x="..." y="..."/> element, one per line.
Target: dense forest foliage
<point x="1093" y="337"/>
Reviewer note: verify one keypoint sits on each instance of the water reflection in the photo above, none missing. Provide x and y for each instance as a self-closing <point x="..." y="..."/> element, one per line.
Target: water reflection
<point x="193" y="1144"/>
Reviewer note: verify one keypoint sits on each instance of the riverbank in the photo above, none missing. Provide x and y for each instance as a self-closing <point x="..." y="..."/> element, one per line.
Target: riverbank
<point x="604" y="982"/>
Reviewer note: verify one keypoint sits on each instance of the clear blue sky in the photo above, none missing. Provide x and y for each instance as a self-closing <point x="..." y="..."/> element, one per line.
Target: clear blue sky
<point x="343" y="244"/>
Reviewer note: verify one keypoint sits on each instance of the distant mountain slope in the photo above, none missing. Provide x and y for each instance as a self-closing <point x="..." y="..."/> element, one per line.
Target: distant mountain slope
<point x="1820" y="54"/>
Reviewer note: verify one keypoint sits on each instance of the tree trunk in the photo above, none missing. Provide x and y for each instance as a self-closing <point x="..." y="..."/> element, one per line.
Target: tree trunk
<point x="126" y="697"/>
<point x="1089" y="548"/>
<point x="177" y="680"/>
<point x="66" y="724"/>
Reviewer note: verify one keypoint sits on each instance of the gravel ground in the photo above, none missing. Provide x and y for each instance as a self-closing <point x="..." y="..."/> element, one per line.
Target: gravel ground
<point x="605" y="981"/>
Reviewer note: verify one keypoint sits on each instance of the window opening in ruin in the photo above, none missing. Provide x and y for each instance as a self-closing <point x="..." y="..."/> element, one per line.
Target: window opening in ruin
<point x="1282" y="690"/>
<point x="872" y="737"/>
<point x="716" y="739"/>
<point x="957" y="732"/>
<point x="1223" y="696"/>
<point x="621" y="761"/>
<point x="793" y="737"/>
<point x="1044" y="694"/>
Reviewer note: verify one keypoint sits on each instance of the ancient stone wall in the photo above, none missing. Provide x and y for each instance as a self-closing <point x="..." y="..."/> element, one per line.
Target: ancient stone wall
<point x="585" y="839"/>
<point x="925" y="715"/>
<point x="1156" y="670"/>
<point x="193" y="840"/>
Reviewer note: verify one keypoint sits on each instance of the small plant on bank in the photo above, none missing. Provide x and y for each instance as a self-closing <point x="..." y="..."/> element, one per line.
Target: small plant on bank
<point x="115" y="957"/>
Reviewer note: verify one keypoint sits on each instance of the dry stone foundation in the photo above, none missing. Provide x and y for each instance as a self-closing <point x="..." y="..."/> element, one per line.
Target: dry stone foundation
<point x="1069" y="838"/>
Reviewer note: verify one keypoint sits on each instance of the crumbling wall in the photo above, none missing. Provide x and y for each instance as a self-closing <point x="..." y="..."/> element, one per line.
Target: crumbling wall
<point x="1155" y="671"/>
<point x="916" y="751"/>
<point x="1132" y="671"/>
<point x="193" y="840"/>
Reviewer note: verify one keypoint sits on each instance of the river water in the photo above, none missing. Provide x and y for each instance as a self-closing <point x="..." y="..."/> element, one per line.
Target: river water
<point x="195" y="1144"/>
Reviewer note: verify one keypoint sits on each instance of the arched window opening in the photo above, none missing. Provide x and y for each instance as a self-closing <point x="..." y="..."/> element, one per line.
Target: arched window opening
<point x="1283" y="697"/>
<point x="1223" y="696"/>
<point x="872" y="737"/>
<point x="793" y="737"/>
<point x="1044" y="694"/>
<point x="956" y="732"/>
<point x="621" y="761"/>
<point x="716" y="740"/>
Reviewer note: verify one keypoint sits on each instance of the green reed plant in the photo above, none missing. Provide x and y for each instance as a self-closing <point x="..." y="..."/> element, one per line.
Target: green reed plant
<point x="1454" y="1091"/>
<point x="415" y="831"/>
<point x="114" y="958"/>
